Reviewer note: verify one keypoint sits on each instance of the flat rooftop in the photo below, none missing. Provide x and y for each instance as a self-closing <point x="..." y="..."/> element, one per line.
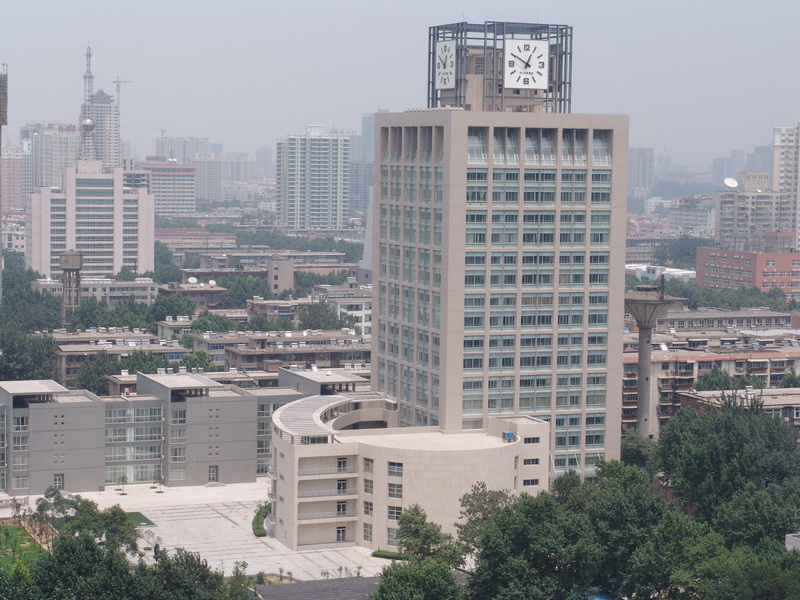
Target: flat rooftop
<point x="402" y="438"/>
<point x="182" y="381"/>
<point x="33" y="386"/>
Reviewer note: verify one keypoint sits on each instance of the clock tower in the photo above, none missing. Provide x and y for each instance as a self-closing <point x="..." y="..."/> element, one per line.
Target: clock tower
<point x="499" y="66"/>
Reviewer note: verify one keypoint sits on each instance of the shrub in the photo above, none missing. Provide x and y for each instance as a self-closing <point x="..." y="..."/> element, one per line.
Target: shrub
<point x="258" y="520"/>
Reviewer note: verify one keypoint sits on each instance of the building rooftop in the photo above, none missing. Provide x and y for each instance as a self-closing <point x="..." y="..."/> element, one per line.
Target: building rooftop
<point x="182" y="381"/>
<point x="328" y="375"/>
<point x="33" y="386"/>
<point x="431" y="439"/>
<point x="303" y="417"/>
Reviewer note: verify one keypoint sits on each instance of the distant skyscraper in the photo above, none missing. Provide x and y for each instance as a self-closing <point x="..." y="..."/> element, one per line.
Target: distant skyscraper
<point x="727" y="166"/>
<point x="641" y="171"/>
<point x="785" y="156"/>
<point x="760" y="159"/>
<point x="102" y="142"/>
<point x="12" y="187"/>
<point x="174" y="188"/>
<point x="265" y="163"/>
<point x="313" y="180"/>
<point x="182" y="150"/>
<point x="747" y="213"/>
<point x="94" y="213"/>
<point x="54" y="147"/>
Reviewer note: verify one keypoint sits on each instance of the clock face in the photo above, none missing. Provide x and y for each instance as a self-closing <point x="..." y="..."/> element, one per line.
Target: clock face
<point x="525" y="64"/>
<point x="445" y="65"/>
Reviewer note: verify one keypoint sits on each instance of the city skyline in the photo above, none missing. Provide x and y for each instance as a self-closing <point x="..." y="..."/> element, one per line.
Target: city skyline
<point x="255" y="72"/>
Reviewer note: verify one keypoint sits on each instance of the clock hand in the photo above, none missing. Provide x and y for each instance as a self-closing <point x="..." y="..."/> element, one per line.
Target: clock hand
<point x="527" y="62"/>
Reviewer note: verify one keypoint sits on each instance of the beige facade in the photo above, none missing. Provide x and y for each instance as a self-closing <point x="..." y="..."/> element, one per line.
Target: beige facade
<point x="498" y="271"/>
<point x="93" y="212"/>
<point x="331" y="485"/>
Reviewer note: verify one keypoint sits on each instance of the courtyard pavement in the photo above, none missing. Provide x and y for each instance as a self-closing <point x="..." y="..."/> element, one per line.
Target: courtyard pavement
<point x="215" y="521"/>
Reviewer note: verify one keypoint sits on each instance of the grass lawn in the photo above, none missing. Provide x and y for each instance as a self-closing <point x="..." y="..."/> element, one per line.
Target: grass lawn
<point x="140" y="520"/>
<point x="15" y="543"/>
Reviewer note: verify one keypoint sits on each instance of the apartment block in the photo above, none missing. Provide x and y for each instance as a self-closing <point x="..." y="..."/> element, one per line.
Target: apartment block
<point x="94" y="213"/>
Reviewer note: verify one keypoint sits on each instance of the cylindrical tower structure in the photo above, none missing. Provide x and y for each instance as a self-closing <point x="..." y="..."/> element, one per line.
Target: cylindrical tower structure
<point x="71" y="263"/>
<point x="646" y="304"/>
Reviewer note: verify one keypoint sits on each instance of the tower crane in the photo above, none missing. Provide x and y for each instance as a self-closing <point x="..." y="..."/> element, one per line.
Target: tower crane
<point x="119" y="83"/>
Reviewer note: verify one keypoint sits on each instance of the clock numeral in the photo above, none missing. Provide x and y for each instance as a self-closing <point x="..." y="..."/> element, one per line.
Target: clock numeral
<point x="541" y="64"/>
<point x="511" y="63"/>
<point x="451" y="64"/>
<point x="527" y="47"/>
<point x="526" y="81"/>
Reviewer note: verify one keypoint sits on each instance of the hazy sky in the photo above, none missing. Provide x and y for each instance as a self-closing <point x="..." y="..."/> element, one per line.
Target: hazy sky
<point x="698" y="78"/>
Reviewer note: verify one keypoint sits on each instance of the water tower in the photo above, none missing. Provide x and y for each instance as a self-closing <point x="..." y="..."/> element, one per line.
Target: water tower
<point x="646" y="304"/>
<point x="71" y="263"/>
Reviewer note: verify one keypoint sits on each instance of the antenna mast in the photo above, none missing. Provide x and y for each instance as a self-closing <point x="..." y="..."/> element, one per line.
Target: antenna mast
<point x="88" y="80"/>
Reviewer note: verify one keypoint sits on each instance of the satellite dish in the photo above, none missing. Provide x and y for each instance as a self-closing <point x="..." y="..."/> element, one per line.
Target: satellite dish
<point x="730" y="182"/>
<point x="192" y="279"/>
<point x="212" y="282"/>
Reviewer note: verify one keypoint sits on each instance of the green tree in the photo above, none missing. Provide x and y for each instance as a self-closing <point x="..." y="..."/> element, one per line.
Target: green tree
<point x="179" y="576"/>
<point x="791" y="379"/>
<point x="716" y="379"/>
<point x="91" y="313"/>
<point x="111" y="527"/>
<point x="533" y="548"/>
<point x="27" y="356"/>
<point x="263" y="323"/>
<point x="421" y="538"/>
<point x="752" y="515"/>
<point x="208" y="321"/>
<point x="171" y="305"/>
<point x="426" y="579"/>
<point x="477" y="506"/>
<point x="305" y="282"/>
<point x="80" y="567"/>
<point x="241" y="288"/>
<point x="199" y="359"/>
<point x="142" y="361"/>
<point x="319" y="315"/>
<point x="707" y="458"/>
<point x="235" y="587"/>
<point x="17" y="583"/>
<point x="92" y="372"/>
<point x="126" y="274"/>
<point x="680" y="252"/>
<point x="639" y="451"/>
<point x="165" y="269"/>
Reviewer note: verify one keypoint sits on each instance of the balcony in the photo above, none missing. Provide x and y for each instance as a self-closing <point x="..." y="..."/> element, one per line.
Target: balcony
<point x="333" y="514"/>
<point x="349" y="492"/>
<point x="334" y="470"/>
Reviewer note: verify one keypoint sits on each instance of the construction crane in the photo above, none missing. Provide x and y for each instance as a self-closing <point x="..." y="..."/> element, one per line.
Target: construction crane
<point x="119" y="83"/>
<point x="163" y="131"/>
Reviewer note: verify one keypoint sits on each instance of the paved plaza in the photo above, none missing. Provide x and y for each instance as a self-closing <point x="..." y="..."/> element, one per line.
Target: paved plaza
<point x="216" y="522"/>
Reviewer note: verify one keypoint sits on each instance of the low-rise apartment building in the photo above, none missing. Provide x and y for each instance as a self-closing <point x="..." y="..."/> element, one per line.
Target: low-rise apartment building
<point x="183" y="426"/>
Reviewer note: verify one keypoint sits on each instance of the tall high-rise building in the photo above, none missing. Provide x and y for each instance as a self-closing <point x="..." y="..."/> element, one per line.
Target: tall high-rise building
<point x="102" y="142"/>
<point x="12" y="163"/>
<point x="496" y="235"/>
<point x="173" y="186"/>
<point x="498" y="292"/>
<point x="747" y="213"/>
<point x="182" y="150"/>
<point x="785" y="155"/>
<point x="54" y="147"/>
<point x="641" y="171"/>
<point x="313" y="179"/>
<point x="95" y="213"/>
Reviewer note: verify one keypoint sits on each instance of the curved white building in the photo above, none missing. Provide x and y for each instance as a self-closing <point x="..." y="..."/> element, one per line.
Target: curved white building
<point x="335" y="481"/>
